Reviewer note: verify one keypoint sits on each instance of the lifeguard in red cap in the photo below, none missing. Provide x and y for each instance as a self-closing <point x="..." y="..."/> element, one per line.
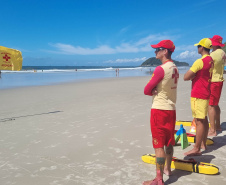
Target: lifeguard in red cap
<point x="217" y="80"/>
<point x="163" y="88"/>
<point x="200" y="74"/>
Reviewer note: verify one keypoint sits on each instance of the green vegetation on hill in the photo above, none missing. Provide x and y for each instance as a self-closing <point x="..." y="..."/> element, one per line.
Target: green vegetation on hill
<point x="224" y="48"/>
<point x="156" y="62"/>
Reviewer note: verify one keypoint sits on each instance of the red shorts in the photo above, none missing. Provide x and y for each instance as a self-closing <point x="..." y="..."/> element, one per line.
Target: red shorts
<point x="215" y="92"/>
<point x="162" y="127"/>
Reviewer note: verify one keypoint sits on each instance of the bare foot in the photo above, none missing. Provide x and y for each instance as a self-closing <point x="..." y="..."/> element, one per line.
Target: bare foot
<point x="154" y="182"/>
<point x="148" y="182"/>
<point x="167" y="172"/>
<point x="203" y="147"/>
<point x="193" y="152"/>
<point x="212" y="133"/>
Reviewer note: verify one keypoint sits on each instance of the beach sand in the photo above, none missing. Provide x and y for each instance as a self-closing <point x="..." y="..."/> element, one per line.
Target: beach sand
<point x="92" y="132"/>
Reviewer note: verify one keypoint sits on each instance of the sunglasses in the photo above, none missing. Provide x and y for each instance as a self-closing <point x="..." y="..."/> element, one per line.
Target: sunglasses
<point x="199" y="46"/>
<point x="159" y="49"/>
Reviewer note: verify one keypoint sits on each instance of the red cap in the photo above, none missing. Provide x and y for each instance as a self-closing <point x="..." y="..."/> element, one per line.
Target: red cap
<point x="217" y="41"/>
<point x="168" y="44"/>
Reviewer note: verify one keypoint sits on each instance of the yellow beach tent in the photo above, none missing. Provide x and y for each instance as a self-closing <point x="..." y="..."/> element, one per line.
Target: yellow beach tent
<point x="10" y="59"/>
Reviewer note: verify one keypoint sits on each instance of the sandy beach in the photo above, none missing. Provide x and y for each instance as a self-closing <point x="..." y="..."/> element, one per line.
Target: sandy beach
<point x="92" y="132"/>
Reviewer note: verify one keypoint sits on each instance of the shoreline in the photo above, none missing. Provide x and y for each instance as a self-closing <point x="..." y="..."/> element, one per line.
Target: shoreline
<point x="29" y="78"/>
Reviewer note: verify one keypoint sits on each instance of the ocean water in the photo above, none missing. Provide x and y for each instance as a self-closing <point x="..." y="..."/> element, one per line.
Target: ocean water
<point x="47" y="75"/>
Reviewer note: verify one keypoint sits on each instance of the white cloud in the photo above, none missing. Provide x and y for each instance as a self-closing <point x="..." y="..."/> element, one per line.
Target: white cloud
<point x="72" y="50"/>
<point x="201" y="4"/>
<point x="126" y="60"/>
<point x="186" y="47"/>
<point x="124" y="30"/>
<point x="142" y="45"/>
<point x="188" y="56"/>
<point x="151" y="38"/>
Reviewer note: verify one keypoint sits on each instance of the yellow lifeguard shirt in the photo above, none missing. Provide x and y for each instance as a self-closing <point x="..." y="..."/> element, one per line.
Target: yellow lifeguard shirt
<point x="167" y="88"/>
<point x="219" y="59"/>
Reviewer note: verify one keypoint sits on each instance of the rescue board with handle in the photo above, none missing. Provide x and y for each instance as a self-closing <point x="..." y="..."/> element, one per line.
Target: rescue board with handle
<point x="184" y="123"/>
<point x="186" y="165"/>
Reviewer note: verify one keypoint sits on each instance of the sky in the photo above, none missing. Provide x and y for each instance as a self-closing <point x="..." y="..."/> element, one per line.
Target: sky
<point x="107" y="32"/>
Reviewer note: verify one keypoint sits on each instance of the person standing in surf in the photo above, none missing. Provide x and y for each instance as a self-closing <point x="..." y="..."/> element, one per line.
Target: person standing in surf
<point x="163" y="87"/>
<point x="200" y="74"/>
<point x="217" y="80"/>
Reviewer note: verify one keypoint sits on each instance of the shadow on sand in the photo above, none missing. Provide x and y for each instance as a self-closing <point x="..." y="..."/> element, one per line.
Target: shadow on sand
<point x="223" y="126"/>
<point x="13" y="118"/>
<point x="219" y="141"/>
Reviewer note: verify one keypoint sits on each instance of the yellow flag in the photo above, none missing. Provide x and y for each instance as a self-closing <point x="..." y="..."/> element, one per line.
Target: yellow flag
<point x="10" y="59"/>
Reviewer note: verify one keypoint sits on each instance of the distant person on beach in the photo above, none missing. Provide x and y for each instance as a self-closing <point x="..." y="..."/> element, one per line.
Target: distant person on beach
<point x="117" y="71"/>
<point x="219" y="59"/>
<point x="200" y="73"/>
<point x="163" y="87"/>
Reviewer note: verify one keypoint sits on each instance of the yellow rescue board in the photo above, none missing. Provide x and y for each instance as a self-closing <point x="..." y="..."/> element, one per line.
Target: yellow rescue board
<point x="185" y="123"/>
<point x="186" y="165"/>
